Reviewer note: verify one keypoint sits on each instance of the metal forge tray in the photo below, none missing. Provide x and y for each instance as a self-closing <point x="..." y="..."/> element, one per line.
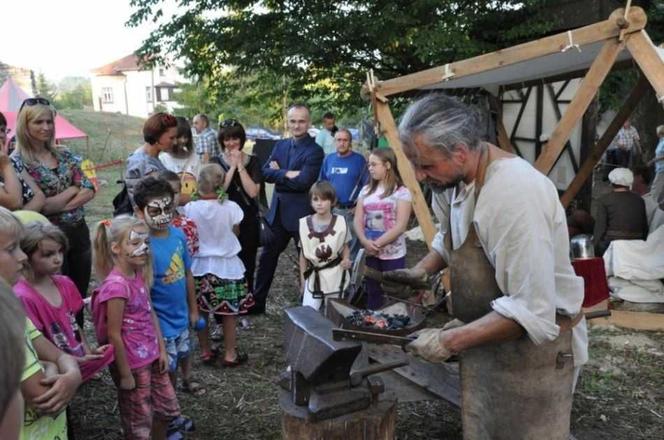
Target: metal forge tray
<point x="337" y="310"/>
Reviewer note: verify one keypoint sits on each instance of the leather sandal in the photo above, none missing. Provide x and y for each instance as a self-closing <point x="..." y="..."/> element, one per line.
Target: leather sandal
<point x="208" y="357"/>
<point x="240" y="358"/>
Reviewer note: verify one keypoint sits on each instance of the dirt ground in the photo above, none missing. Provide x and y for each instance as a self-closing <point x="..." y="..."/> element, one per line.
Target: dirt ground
<point x="620" y="394"/>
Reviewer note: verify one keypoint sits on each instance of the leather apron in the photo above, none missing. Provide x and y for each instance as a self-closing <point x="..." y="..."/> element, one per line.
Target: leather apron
<point x="509" y="390"/>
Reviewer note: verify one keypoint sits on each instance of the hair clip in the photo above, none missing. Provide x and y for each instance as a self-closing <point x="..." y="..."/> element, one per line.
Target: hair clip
<point x="106" y="222"/>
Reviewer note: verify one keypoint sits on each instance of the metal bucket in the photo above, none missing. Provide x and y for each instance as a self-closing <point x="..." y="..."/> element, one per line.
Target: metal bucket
<point x="581" y="246"/>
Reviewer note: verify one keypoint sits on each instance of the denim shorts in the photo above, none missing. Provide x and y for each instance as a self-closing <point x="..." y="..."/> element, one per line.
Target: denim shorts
<point x="177" y="347"/>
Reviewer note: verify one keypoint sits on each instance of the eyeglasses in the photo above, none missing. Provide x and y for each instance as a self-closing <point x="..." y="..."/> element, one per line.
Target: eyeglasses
<point x="229" y="123"/>
<point x="34" y="101"/>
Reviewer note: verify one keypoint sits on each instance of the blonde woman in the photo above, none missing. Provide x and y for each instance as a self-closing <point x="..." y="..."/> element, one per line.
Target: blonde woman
<point x="17" y="189"/>
<point x="57" y="172"/>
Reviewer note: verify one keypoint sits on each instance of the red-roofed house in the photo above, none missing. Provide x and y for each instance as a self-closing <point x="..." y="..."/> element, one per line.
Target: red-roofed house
<point x="124" y="86"/>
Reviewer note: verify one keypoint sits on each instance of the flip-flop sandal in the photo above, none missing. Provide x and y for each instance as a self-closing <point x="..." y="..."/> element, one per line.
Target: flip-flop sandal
<point x="208" y="357"/>
<point x="240" y="358"/>
<point x="193" y="387"/>
<point x="181" y="424"/>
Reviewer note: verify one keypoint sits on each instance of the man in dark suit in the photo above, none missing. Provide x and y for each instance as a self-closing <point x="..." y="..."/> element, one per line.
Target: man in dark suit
<point x="293" y="167"/>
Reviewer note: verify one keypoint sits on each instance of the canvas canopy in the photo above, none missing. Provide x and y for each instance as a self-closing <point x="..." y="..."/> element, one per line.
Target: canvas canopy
<point x="11" y="97"/>
<point x="589" y="52"/>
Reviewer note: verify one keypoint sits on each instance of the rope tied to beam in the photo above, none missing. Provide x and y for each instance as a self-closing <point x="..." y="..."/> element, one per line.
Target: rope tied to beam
<point x="628" y="5"/>
<point x="371" y="85"/>
<point x="448" y="73"/>
<point x="570" y="44"/>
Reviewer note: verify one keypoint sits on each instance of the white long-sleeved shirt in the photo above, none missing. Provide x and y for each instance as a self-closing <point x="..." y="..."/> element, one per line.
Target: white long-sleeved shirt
<point x="522" y="227"/>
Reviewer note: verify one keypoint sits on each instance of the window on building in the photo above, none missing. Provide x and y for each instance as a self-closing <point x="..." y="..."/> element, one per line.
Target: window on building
<point x="165" y="94"/>
<point x="148" y="94"/>
<point x="107" y="95"/>
<point x="162" y="72"/>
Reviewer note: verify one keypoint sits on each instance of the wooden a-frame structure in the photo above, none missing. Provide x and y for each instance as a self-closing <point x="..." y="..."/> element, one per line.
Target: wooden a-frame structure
<point x="592" y="49"/>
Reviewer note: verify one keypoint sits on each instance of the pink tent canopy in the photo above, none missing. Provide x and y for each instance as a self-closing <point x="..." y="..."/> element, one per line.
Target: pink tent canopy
<point x="11" y="97"/>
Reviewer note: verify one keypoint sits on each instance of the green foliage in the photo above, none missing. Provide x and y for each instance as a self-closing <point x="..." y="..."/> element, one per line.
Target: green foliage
<point x="45" y="88"/>
<point x="160" y="108"/>
<point x="318" y="50"/>
<point x="74" y="93"/>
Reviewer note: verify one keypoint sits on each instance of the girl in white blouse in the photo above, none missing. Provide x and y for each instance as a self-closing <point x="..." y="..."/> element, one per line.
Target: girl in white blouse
<point x="217" y="269"/>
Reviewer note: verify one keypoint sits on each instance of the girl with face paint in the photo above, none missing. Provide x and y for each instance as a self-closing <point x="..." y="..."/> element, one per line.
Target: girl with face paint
<point x="124" y="317"/>
<point x="52" y="301"/>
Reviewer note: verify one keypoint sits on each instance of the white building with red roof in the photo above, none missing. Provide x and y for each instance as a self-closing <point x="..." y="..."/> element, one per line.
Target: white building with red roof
<point x="125" y="86"/>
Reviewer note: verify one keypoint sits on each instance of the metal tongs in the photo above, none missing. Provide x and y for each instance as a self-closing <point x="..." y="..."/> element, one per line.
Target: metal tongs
<point x="342" y="334"/>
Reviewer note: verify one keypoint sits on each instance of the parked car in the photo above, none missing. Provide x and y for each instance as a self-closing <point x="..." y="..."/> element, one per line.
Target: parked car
<point x="254" y="133"/>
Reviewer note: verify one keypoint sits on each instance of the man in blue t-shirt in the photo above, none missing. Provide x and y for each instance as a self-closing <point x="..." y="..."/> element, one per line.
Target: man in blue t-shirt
<point x="346" y="170"/>
<point x="173" y="292"/>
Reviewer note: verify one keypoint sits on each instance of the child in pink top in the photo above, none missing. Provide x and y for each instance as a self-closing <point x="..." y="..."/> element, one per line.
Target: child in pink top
<point x="124" y="317"/>
<point x="51" y="301"/>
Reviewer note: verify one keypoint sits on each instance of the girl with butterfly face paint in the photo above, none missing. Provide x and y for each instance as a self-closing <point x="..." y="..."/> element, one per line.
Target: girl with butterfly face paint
<point x="124" y="317"/>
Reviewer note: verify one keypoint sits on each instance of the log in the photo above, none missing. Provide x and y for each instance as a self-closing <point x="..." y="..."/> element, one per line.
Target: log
<point x="374" y="423"/>
<point x="632" y="320"/>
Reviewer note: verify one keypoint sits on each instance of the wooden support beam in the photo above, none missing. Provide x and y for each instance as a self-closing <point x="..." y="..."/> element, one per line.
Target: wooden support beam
<point x="607" y="137"/>
<point x="389" y="128"/>
<point x="575" y="110"/>
<point x="503" y="137"/>
<point x="645" y="54"/>
<point x="545" y="46"/>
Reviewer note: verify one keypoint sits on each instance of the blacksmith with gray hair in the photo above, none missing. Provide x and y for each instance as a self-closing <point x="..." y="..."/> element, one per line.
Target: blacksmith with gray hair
<point x="503" y="234"/>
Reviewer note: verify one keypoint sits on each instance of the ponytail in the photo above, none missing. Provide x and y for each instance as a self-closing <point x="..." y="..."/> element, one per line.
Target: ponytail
<point x="103" y="257"/>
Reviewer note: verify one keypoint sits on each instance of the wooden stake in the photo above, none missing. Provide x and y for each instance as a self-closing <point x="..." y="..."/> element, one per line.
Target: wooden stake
<point x="645" y="54"/>
<point x="574" y="112"/>
<point x="609" y="134"/>
<point x="389" y="128"/>
<point x="593" y="33"/>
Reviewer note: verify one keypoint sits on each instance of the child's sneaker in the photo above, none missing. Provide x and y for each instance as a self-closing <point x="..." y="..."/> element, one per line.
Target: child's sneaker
<point x="180" y="424"/>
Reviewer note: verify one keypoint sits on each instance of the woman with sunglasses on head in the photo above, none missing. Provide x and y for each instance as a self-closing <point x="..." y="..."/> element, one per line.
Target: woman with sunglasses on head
<point x="17" y="189"/>
<point x="242" y="183"/>
<point x="57" y="172"/>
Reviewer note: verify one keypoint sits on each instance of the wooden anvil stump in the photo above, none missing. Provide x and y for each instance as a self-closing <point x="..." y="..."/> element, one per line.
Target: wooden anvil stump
<point x="376" y="422"/>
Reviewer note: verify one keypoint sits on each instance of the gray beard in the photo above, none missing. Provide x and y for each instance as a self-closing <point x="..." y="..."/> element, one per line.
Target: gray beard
<point x="441" y="188"/>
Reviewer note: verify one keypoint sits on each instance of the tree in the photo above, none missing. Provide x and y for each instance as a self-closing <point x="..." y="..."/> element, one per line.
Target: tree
<point x="323" y="49"/>
<point x="74" y="93"/>
<point x="45" y="89"/>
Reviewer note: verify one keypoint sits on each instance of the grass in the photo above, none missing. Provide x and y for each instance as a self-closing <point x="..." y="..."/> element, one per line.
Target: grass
<point x="111" y="136"/>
